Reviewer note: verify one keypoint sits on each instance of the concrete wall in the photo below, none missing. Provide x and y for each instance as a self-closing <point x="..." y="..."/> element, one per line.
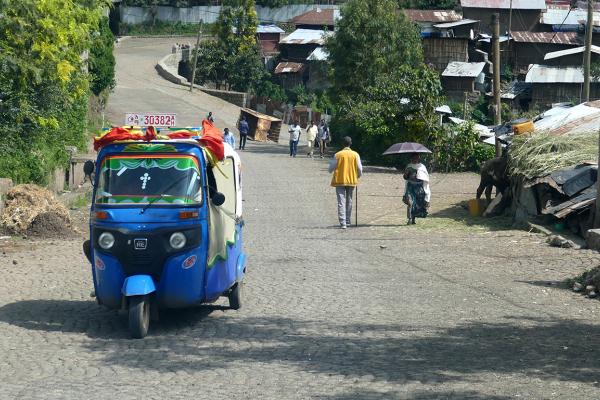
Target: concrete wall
<point x="209" y="14"/>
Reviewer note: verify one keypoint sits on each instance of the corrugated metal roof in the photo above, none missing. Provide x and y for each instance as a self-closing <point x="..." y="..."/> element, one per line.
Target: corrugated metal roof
<point x="571" y="38"/>
<point x="515" y="89"/>
<point x="269" y="29"/>
<point x="306" y="36"/>
<point x="433" y="15"/>
<point x="260" y="115"/>
<point x="567" y="52"/>
<point x="457" y="23"/>
<point x="546" y="74"/>
<point x="289" y="67"/>
<point x="562" y="16"/>
<point x="318" y="54"/>
<point x="581" y="118"/>
<point x="445" y="109"/>
<point x="505" y="4"/>
<point x="463" y="69"/>
<point x="317" y="17"/>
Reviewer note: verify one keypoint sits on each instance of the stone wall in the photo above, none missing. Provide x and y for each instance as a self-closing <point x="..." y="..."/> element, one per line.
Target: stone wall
<point x="167" y="68"/>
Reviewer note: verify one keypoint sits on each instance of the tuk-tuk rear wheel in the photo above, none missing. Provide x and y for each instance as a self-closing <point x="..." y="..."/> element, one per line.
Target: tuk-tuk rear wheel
<point x="235" y="296"/>
<point x="139" y="316"/>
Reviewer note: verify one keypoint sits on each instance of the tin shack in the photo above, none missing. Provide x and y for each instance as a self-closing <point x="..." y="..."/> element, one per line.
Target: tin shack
<point x="262" y="127"/>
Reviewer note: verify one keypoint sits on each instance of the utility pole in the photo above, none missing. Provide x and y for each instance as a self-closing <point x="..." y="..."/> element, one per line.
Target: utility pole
<point x="496" y="72"/>
<point x="587" y="57"/>
<point x="510" y="18"/>
<point x="196" y="55"/>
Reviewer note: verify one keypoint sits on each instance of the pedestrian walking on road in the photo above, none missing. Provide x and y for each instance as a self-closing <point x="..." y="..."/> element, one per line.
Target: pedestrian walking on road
<point x="294" y="131"/>
<point x="323" y="132"/>
<point x="347" y="169"/>
<point x="311" y="136"/>
<point x="416" y="193"/>
<point x="244" y="129"/>
<point x="210" y="117"/>
<point x="229" y="138"/>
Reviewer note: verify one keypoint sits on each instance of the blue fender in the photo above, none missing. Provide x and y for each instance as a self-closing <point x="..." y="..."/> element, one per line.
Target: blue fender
<point x="138" y="285"/>
<point x="241" y="267"/>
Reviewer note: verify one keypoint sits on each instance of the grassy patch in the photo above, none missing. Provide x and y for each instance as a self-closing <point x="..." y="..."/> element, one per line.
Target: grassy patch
<point x="456" y="218"/>
<point x="81" y="201"/>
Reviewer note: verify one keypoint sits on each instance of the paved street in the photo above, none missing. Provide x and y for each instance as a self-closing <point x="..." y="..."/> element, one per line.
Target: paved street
<point x="448" y="309"/>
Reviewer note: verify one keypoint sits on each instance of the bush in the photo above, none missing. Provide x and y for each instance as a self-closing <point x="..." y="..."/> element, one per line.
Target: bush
<point x="102" y="60"/>
<point x="459" y="149"/>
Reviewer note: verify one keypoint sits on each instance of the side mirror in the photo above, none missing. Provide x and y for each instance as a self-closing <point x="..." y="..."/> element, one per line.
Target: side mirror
<point x="218" y="199"/>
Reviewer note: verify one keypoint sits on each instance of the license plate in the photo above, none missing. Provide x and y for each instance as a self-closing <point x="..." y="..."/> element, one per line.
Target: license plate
<point x="140" y="244"/>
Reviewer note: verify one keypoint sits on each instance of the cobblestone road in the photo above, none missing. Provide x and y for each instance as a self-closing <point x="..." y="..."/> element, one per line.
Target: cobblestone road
<point x="443" y="309"/>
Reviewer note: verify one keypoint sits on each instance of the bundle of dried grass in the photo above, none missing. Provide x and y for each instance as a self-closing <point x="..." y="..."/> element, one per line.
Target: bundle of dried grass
<point x="31" y="209"/>
<point x="541" y="154"/>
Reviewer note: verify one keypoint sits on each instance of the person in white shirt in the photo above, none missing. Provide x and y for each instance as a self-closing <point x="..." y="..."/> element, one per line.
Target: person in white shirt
<point x="311" y="135"/>
<point x="417" y="193"/>
<point x="294" y="138"/>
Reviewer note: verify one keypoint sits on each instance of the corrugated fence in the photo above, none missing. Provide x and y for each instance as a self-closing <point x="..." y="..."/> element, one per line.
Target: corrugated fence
<point x="209" y="14"/>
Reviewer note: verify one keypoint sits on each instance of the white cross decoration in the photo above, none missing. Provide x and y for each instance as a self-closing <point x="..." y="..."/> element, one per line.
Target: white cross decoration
<point x="145" y="178"/>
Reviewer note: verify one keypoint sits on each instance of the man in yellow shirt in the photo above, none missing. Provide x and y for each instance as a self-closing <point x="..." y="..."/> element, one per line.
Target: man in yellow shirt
<point x="346" y="168"/>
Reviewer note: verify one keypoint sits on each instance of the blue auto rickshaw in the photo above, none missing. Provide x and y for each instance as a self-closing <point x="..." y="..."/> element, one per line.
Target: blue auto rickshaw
<point x="165" y="228"/>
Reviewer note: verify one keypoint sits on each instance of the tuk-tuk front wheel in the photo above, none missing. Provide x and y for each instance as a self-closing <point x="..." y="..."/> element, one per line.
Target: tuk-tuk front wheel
<point x="235" y="296"/>
<point x="139" y="316"/>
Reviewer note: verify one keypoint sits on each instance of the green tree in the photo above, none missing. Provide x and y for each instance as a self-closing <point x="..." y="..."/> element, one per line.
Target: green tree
<point x="102" y="59"/>
<point x="380" y="38"/>
<point x="382" y="91"/>
<point x="43" y="86"/>
<point x="396" y="107"/>
<point x="233" y="59"/>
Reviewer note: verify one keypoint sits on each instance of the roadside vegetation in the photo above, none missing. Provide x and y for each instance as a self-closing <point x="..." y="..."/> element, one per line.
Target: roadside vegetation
<point x="44" y="85"/>
<point x="159" y="28"/>
<point x="383" y="92"/>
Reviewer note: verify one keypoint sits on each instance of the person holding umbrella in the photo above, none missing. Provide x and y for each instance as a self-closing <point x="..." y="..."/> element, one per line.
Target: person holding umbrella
<point x="417" y="193"/>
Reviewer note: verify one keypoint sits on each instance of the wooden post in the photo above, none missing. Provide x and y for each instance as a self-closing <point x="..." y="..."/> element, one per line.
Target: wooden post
<point x="587" y="56"/>
<point x="496" y="73"/>
<point x="597" y="210"/>
<point x="196" y="56"/>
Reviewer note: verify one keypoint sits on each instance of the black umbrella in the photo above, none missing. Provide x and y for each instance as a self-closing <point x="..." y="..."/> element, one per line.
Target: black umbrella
<point x="406" y="148"/>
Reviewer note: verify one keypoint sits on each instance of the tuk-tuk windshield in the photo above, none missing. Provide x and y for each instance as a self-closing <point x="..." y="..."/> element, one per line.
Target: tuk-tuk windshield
<point x="144" y="179"/>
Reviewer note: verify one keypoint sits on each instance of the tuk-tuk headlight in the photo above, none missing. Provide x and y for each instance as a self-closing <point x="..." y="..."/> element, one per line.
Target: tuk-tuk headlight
<point x="106" y="240"/>
<point x="177" y="240"/>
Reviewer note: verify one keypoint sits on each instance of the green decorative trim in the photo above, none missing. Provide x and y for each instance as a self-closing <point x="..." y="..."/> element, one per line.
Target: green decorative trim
<point x="218" y="257"/>
<point x="139" y="147"/>
<point x="179" y="163"/>
<point x="133" y="199"/>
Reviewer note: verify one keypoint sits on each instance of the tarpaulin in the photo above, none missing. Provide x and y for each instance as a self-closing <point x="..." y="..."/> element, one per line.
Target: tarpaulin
<point x="212" y="140"/>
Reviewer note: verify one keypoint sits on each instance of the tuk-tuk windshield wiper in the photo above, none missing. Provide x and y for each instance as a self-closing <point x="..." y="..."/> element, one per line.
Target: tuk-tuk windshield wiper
<point x="162" y="196"/>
